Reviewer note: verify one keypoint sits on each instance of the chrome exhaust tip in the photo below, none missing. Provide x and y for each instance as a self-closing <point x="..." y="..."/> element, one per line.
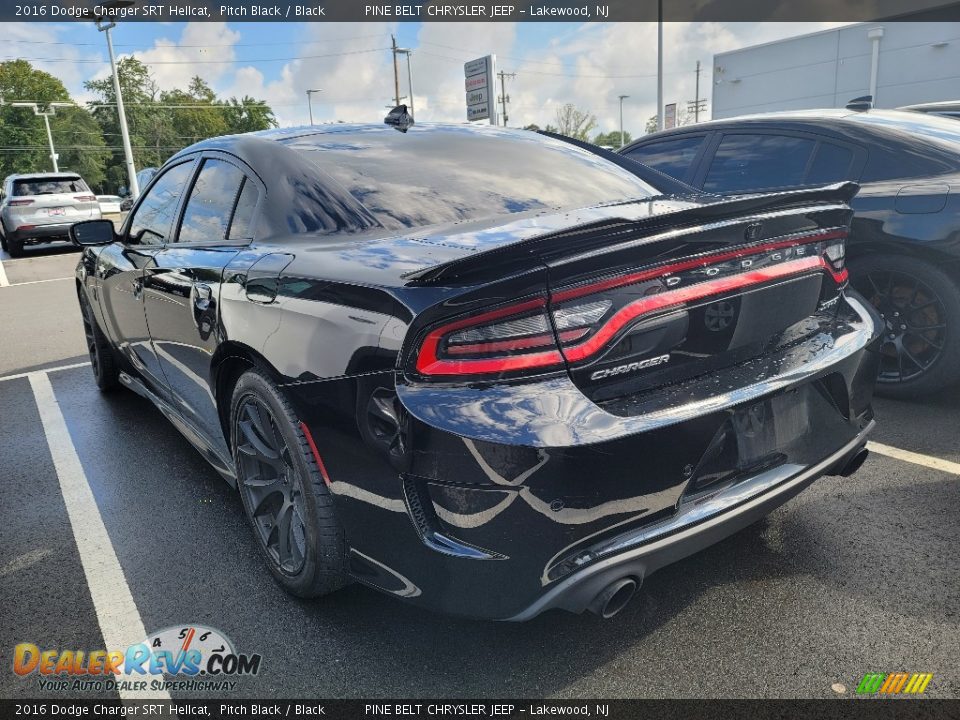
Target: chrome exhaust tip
<point x="613" y="598"/>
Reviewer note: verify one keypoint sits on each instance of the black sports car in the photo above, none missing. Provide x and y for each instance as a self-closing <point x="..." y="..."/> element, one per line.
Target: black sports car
<point x="483" y="370"/>
<point x="904" y="246"/>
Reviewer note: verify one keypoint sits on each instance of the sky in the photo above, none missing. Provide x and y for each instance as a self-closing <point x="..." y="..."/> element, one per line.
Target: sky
<point x="587" y="64"/>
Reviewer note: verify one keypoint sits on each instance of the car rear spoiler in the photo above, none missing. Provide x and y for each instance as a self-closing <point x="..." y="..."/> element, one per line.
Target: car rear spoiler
<point x="582" y="237"/>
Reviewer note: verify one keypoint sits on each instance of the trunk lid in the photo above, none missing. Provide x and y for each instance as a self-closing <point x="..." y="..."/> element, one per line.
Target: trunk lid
<point x="635" y="298"/>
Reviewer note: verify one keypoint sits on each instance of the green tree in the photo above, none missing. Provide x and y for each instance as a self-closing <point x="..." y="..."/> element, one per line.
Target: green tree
<point x="76" y="137"/>
<point x="612" y="138"/>
<point x="151" y="131"/>
<point x="575" y="123"/>
<point x="248" y="115"/>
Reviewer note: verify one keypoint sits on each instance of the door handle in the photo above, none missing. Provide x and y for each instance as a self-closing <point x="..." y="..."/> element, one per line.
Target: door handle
<point x="202" y="295"/>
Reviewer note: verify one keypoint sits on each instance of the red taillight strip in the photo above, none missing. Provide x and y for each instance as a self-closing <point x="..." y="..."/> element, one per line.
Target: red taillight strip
<point x="651" y="303"/>
<point x="696" y="262"/>
<point x="316" y="453"/>
<point x="429" y="364"/>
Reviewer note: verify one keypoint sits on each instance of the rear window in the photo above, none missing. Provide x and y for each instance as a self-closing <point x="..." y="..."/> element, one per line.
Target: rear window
<point x="432" y="176"/>
<point x="49" y="186"/>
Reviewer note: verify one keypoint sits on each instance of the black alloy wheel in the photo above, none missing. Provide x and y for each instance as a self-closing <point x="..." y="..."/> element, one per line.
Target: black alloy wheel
<point x="271" y="486"/>
<point x="284" y="495"/>
<point x="920" y="309"/>
<point x="102" y="359"/>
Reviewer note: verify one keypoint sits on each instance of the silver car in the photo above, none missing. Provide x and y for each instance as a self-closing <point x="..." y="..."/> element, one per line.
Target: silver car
<point x="41" y="207"/>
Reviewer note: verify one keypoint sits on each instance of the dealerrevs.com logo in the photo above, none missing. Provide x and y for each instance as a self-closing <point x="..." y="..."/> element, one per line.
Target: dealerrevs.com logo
<point x="190" y="657"/>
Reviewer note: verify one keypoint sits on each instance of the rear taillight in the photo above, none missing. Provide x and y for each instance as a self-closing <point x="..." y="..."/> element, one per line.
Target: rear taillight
<point x="509" y="339"/>
<point x="85" y="198"/>
<point x="20" y="203"/>
<point x="583" y="320"/>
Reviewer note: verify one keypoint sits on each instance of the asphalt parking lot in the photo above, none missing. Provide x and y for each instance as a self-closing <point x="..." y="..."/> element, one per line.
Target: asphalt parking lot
<point x="855" y="575"/>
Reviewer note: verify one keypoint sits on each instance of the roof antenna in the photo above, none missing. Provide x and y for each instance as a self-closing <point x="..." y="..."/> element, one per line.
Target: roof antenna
<point x="861" y="104"/>
<point x="399" y="119"/>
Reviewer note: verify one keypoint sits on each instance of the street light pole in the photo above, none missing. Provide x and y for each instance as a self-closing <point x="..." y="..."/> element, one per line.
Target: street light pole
<point x="408" y="52"/>
<point x="310" y="102"/>
<point x="51" y="110"/>
<point x="622" y="98"/>
<point x="659" y="64"/>
<point x="134" y="187"/>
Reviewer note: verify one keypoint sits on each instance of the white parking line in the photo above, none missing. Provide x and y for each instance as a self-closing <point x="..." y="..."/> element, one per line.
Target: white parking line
<point x="31" y="282"/>
<point x="117" y="613"/>
<point x="3" y="276"/>
<point x="17" y="376"/>
<point x="928" y="461"/>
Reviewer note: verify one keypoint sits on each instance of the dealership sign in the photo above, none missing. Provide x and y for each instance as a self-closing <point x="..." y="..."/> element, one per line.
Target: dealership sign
<point x="478" y="82"/>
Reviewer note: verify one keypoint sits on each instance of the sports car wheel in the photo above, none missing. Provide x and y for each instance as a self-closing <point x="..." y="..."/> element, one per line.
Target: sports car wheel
<point x="920" y="307"/>
<point x="284" y="495"/>
<point x="102" y="360"/>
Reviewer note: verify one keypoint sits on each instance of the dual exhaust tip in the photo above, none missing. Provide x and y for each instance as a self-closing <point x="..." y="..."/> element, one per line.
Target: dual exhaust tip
<point x="613" y="598"/>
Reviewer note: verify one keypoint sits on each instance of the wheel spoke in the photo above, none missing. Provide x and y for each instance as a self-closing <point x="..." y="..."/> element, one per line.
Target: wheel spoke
<point x="256" y="446"/>
<point x="284" y="539"/>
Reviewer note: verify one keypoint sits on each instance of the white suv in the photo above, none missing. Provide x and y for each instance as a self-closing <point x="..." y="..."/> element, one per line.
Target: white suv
<point x="41" y="207"/>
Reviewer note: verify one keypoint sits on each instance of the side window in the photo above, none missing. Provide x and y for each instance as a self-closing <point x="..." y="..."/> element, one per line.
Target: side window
<point x="758" y="162"/>
<point x="830" y="164"/>
<point x="241" y="227"/>
<point x="153" y="218"/>
<point x="212" y="198"/>
<point x="671" y="157"/>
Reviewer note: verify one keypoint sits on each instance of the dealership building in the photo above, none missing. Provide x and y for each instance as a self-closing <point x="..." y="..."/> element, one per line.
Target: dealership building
<point x="899" y="63"/>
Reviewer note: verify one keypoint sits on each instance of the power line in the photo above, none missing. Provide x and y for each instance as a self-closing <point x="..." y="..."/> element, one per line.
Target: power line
<point x="200" y="62"/>
<point x="284" y="43"/>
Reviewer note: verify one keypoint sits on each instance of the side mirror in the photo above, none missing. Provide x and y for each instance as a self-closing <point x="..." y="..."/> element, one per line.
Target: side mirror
<point x="92" y="233"/>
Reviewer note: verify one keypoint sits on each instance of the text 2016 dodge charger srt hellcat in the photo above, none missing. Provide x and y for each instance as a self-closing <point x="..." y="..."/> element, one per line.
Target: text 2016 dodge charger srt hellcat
<point x="483" y="370"/>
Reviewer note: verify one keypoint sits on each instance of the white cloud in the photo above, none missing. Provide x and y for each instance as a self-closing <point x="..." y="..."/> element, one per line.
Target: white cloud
<point x="204" y="49"/>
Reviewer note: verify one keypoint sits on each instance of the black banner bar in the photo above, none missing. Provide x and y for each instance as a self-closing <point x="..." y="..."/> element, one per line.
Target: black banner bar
<point x="477" y="10"/>
<point x="840" y="709"/>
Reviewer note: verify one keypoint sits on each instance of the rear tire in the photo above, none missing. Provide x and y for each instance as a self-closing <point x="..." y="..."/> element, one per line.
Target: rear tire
<point x="920" y="305"/>
<point x="15" y="248"/>
<point x="102" y="360"/>
<point x="285" y="499"/>
<point x="3" y="238"/>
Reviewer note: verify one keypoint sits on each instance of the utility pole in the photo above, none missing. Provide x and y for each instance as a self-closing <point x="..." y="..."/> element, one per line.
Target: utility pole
<point x="310" y="102"/>
<point x="622" y="98"/>
<point x="51" y="110"/>
<point x="504" y="98"/>
<point x="396" y="71"/>
<point x="696" y="105"/>
<point x="659" y="64"/>
<point x="696" y="97"/>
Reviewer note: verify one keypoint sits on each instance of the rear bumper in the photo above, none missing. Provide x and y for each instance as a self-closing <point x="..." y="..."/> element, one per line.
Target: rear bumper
<point x="59" y="231"/>
<point x="515" y="499"/>
<point x="709" y="520"/>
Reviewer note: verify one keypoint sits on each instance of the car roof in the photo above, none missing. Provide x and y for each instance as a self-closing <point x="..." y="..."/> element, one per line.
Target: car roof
<point x="41" y="176"/>
<point x="877" y="121"/>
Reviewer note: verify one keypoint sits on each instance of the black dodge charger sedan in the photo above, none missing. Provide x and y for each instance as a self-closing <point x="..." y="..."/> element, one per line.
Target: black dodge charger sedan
<point x="483" y="370"/>
<point x="904" y="246"/>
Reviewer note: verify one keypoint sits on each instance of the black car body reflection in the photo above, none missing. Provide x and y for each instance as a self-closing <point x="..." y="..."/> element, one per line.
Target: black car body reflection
<point x="483" y="370"/>
<point x="904" y="246"/>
